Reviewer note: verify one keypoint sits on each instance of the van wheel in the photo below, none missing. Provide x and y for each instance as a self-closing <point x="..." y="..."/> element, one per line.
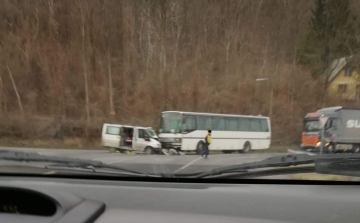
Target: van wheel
<point x="356" y="149"/>
<point x="200" y="148"/>
<point x="149" y="150"/>
<point x="247" y="148"/>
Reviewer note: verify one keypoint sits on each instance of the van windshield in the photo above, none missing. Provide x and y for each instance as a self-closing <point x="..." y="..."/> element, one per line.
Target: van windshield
<point x="151" y="133"/>
<point x="170" y="123"/>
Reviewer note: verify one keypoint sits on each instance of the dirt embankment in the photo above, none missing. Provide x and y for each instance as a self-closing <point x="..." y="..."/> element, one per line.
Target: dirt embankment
<point x="49" y="132"/>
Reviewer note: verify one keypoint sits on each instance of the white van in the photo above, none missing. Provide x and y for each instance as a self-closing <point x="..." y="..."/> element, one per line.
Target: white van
<point x="130" y="138"/>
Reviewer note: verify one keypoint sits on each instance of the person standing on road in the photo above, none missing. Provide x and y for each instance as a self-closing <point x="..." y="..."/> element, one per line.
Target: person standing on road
<point x="207" y="143"/>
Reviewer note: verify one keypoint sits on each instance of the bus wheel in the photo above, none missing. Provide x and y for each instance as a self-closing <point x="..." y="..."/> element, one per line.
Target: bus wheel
<point x="149" y="151"/>
<point x="200" y="148"/>
<point x="356" y="149"/>
<point x="247" y="148"/>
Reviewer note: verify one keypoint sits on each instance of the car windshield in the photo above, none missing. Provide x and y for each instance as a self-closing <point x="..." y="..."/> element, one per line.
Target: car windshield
<point x="215" y="82"/>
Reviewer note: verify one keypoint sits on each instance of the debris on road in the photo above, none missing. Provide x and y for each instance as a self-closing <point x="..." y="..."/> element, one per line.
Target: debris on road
<point x="172" y="152"/>
<point x="165" y="152"/>
<point x="290" y="151"/>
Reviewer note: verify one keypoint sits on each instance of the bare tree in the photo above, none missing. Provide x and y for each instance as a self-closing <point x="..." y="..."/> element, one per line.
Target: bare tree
<point x="82" y="5"/>
<point x="140" y="57"/>
<point x="15" y="89"/>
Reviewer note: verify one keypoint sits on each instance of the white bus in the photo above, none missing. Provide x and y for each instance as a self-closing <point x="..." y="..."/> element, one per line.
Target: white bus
<point x="186" y="131"/>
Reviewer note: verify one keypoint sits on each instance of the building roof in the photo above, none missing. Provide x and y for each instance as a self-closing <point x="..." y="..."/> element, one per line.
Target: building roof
<point x="335" y="67"/>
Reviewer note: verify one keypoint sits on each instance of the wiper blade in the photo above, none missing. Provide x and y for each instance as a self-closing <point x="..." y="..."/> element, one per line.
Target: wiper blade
<point x="284" y="161"/>
<point x="345" y="165"/>
<point x="266" y="172"/>
<point x="69" y="162"/>
<point x="275" y="161"/>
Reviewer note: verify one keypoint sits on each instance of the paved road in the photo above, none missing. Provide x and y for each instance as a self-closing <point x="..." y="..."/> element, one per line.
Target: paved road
<point x="156" y="163"/>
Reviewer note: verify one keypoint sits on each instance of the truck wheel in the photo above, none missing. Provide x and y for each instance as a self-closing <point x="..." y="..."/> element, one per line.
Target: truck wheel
<point x="331" y="148"/>
<point x="149" y="151"/>
<point x="200" y="147"/>
<point x="247" y="148"/>
<point x="356" y="149"/>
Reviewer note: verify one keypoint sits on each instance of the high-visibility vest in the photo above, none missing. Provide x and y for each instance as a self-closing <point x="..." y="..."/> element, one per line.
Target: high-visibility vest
<point x="208" y="139"/>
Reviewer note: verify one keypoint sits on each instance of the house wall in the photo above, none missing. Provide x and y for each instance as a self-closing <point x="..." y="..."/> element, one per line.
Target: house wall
<point x="351" y="83"/>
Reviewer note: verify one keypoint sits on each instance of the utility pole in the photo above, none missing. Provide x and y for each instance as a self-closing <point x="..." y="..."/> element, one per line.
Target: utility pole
<point x="323" y="120"/>
<point x="271" y="92"/>
<point x="271" y="99"/>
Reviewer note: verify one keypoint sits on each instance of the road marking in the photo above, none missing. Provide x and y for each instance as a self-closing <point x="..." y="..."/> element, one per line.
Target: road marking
<point x="162" y="158"/>
<point x="118" y="161"/>
<point x="185" y="166"/>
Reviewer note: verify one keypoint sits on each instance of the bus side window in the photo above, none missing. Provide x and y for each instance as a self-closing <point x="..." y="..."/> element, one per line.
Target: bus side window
<point x="218" y="123"/>
<point x="231" y="124"/>
<point x="189" y="123"/>
<point x="264" y="125"/>
<point x="255" y="125"/>
<point x="204" y="122"/>
<point x="244" y="124"/>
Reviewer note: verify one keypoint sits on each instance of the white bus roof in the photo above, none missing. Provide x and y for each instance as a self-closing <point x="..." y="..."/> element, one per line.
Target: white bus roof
<point x="127" y="126"/>
<point x="217" y="114"/>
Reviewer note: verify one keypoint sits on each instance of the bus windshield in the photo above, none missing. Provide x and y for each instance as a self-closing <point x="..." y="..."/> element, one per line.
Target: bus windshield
<point x="170" y="123"/>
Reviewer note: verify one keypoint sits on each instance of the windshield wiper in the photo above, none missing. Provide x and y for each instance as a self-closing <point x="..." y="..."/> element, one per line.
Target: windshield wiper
<point x="341" y="164"/>
<point x="67" y="162"/>
<point x="338" y="164"/>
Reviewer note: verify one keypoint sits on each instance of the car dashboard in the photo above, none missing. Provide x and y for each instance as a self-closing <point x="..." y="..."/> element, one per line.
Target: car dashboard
<point x="47" y="199"/>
